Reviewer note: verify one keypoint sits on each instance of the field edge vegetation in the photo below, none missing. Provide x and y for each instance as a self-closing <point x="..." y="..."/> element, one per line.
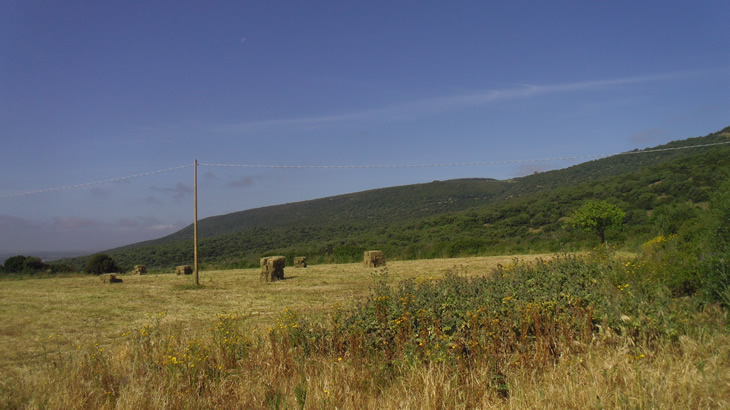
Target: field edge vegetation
<point x="593" y="331"/>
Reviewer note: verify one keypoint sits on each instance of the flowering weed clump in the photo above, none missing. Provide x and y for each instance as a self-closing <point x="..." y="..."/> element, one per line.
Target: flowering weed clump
<point x="528" y="314"/>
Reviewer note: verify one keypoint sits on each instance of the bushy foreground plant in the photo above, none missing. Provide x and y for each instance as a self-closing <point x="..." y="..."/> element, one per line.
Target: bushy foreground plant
<point x="520" y="314"/>
<point x="715" y="267"/>
<point x="694" y="260"/>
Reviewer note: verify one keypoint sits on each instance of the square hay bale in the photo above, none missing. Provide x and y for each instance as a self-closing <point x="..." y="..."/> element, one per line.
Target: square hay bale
<point x="373" y="259"/>
<point x="300" y="262"/>
<point x="139" y="270"/>
<point x="272" y="268"/>
<point x="110" y="278"/>
<point x="184" y="270"/>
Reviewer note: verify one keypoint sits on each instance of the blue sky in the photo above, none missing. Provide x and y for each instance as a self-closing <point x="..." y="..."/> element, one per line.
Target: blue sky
<point x="92" y="91"/>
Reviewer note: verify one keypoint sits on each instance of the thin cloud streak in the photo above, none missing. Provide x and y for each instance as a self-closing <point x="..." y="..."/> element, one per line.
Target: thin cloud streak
<point x="178" y="192"/>
<point x="243" y="182"/>
<point x="427" y="106"/>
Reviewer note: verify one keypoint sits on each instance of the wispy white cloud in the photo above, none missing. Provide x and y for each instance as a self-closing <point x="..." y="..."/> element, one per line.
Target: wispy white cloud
<point x="152" y="200"/>
<point x="647" y="135"/>
<point x="209" y="176"/>
<point x="9" y="223"/>
<point x="99" y="192"/>
<point x="76" y="223"/>
<point x="178" y="192"/>
<point x="142" y="223"/>
<point x="422" y="107"/>
<point x="243" y="182"/>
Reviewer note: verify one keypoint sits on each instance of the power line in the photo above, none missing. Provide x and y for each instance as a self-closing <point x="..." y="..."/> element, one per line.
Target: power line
<point x="454" y="164"/>
<point x="672" y="148"/>
<point x="457" y="164"/>
<point x="61" y="188"/>
<point x="385" y="166"/>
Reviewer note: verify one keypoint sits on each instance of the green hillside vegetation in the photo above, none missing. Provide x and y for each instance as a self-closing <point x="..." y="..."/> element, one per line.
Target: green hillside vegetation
<point x="661" y="192"/>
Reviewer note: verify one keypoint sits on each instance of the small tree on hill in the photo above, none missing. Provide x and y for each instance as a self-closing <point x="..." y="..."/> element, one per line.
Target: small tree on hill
<point x="101" y="263"/>
<point x="598" y="216"/>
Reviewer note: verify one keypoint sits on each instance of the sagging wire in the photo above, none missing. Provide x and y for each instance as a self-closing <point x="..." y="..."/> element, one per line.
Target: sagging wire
<point x="385" y="166"/>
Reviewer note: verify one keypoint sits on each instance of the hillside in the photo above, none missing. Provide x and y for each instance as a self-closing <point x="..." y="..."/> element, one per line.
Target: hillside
<point x="380" y="206"/>
<point x="659" y="190"/>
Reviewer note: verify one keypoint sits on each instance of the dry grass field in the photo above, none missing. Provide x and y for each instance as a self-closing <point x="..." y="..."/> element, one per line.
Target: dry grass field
<point x="78" y="310"/>
<point x="75" y="342"/>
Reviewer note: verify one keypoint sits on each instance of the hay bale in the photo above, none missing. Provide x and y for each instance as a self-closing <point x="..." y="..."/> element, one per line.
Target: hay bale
<point x="110" y="278"/>
<point x="272" y="268"/>
<point x="184" y="270"/>
<point x="373" y="259"/>
<point x="300" y="262"/>
<point x="139" y="270"/>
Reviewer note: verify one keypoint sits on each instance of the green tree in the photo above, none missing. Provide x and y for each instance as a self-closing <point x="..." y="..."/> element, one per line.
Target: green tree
<point x="101" y="263"/>
<point x="598" y="216"/>
<point x="33" y="264"/>
<point x="23" y="264"/>
<point x="14" y="264"/>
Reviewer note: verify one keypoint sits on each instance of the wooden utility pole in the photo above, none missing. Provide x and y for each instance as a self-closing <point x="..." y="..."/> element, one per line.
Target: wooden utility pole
<point x="195" y="225"/>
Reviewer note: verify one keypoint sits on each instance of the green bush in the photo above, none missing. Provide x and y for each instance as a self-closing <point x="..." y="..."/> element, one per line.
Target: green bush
<point x="101" y="263"/>
<point x="714" y="275"/>
<point x="671" y="263"/>
<point x="61" y="268"/>
<point x="14" y="264"/>
<point x="24" y="264"/>
<point x="34" y="264"/>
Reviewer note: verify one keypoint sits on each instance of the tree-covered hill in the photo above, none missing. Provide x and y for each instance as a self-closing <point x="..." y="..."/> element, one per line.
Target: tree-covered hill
<point x="660" y="189"/>
<point x="385" y="205"/>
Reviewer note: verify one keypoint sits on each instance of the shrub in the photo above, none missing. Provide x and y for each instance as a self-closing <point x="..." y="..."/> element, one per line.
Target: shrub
<point x="23" y="264"/>
<point x="101" y="263"/>
<point x="62" y="268"/>
<point x="715" y="269"/>
<point x="14" y="264"/>
<point x="33" y="264"/>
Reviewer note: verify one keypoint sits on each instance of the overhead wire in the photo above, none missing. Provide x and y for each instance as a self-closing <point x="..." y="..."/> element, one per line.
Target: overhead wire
<point x="384" y="166"/>
<point x="105" y="181"/>
<point x="456" y="164"/>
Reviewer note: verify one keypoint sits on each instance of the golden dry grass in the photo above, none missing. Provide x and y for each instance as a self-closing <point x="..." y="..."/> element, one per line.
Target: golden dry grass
<point x="72" y="311"/>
